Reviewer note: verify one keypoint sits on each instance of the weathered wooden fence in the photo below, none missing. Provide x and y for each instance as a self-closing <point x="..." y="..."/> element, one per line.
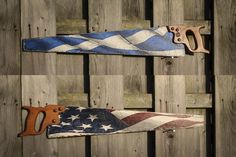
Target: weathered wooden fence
<point x="199" y="83"/>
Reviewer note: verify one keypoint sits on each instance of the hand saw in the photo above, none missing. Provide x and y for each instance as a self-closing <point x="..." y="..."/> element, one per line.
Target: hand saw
<point x="67" y="121"/>
<point x="160" y="41"/>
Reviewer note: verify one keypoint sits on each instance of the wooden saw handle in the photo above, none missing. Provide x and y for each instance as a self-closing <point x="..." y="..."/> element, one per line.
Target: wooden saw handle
<point x="180" y="37"/>
<point x="51" y="116"/>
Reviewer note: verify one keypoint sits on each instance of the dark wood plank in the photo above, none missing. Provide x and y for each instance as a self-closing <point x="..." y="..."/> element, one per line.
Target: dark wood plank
<point x="69" y="9"/>
<point x="225" y="112"/>
<point x="10" y="38"/>
<point x="224" y="37"/>
<point x="10" y="106"/>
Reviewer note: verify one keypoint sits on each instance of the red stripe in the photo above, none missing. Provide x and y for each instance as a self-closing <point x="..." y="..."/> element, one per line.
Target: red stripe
<point x="178" y="124"/>
<point x="137" y="117"/>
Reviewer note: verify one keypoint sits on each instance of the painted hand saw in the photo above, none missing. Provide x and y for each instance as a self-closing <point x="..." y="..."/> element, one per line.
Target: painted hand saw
<point x="160" y="41"/>
<point x="68" y="121"/>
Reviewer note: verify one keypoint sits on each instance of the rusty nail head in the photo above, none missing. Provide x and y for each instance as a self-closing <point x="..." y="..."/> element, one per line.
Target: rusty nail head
<point x="178" y="34"/>
<point x="177" y="29"/>
<point x="172" y="28"/>
<point x="179" y="39"/>
<point x="60" y="108"/>
<point x="55" y="110"/>
<point x="54" y="120"/>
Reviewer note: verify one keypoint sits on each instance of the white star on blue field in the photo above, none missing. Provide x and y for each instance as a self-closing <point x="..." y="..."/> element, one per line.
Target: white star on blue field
<point x="77" y="120"/>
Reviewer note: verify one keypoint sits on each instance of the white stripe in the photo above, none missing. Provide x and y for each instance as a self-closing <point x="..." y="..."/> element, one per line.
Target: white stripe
<point x="62" y="48"/>
<point x="122" y="114"/>
<point x="87" y="45"/>
<point x="154" y="122"/>
<point x="117" y="42"/>
<point x="140" y="36"/>
<point x="178" y="52"/>
<point x="161" y="30"/>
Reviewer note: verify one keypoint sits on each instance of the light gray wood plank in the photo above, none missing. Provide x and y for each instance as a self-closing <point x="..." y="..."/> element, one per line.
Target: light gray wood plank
<point x="38" y="20"/>
<point x="102" y="14"/>
<point x="225" y="114"/>
<point x="170" y="97"/>
<point x="105" y="64"/>
<point x="168" y="13"/>
<point x="106" y="91"/>
<point x="66" y="85"/>
<point x="224" y="37"/>
<point x="67" y="64"/>
<point x="38" y="63"/>
<point x="10" y="114"/>
<point x="198" y="101"/>
<point x="196" y="141"/>
<point x="38" y="90"/>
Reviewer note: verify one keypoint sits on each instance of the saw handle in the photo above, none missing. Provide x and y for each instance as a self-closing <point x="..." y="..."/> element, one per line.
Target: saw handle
<point x="180" y="37"/>
<point x="51" y="116"/>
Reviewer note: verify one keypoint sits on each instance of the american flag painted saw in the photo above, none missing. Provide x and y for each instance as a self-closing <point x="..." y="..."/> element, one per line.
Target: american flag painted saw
<point x="160" y="41"/>
<point x="61" y="121"/>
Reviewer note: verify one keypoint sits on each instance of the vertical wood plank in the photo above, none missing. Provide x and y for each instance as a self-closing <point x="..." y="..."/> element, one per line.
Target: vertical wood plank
<point x="106" y="91"/>
<point x="102" y="14"/>
<point x="10" y="37"/>
<point x="171" y="12"/>
<point x="39" y="90"/>
<point x="170" y="97"/>
<point x="38" y="69"/>
<point x="224" y="37"/>
<point x="133" y="9"/>
<point x="38" y="20"/>
<point x="101" y="18"/>
<point x="225" y="114"/>
<point x="69" y="9"/>
<point x="70" y="147"/>
<point x="10" y="93"/>
<point x="10" y="105"/>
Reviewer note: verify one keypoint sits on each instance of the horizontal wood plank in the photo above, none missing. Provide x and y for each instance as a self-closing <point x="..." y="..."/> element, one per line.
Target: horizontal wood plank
<point x="138" y="101"/>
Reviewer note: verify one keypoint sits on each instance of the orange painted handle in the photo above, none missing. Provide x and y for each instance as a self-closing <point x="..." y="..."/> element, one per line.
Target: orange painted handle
<point x="51" y="116"/>
<point x="180" y="37"/>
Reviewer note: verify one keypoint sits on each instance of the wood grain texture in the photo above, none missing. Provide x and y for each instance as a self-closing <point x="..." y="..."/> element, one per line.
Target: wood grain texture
<point x="133" y="9"/>
<point x="105" y="64"/>
<point x="196" y="142"/>
<point x="172" y="12"/>
<point x="69" y="64"/>
<point x="106" y="91"/>
<point x="39" y="90"/>
<point x="75" y="146"/>
<point x="10" y="38"/>
<point x="38" y="81"/>
<point x="71" y="26"/>
<point x="224" y="37"/>
<point x="225" y="112"/>
<point x="10" y="105"/>
<point x="170" y="97"/>
<point x="38" y="20"/>
<point x="69" y="9"/>
<point x="102" y="14"/>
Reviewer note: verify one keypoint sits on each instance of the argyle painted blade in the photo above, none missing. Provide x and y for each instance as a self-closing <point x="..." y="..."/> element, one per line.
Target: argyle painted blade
<point x="69" y="121"/>
<point x="160" y="41"/>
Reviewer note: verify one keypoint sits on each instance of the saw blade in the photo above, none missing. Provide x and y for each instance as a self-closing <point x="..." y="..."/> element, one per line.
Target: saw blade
<point x="145" y="42"/>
